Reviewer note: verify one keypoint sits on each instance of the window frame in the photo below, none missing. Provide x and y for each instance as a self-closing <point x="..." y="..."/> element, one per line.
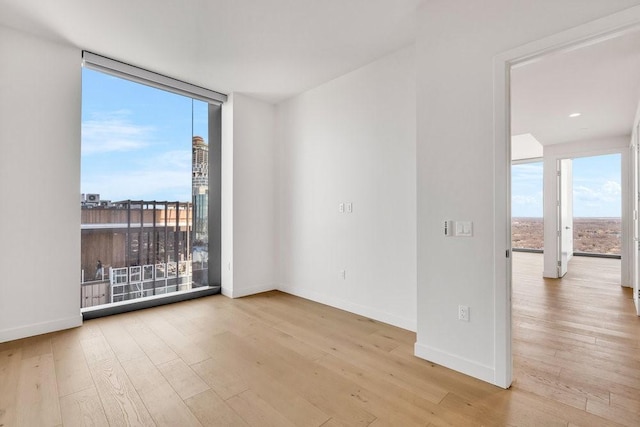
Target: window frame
<point x="215" y="100"/>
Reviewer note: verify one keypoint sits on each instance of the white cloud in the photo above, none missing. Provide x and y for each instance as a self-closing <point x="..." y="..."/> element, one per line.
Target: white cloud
<point x="612" y="188"/>
<point x="174" y="159"/>
<point x="601" y="199"/>
<point x="526" y="190"/>
<point x="113" y="131"/>
<point x="143" y="185"/>
<point x="585" y="193"/>
<point x="524" y="200"/>
<point x="164" y="176"/>
<point x="527" y="172"/>
<point x="606" y="192"/>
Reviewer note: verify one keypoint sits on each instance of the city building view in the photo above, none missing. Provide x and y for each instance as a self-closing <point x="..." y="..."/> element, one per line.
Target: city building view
<point x="138" y="248"/>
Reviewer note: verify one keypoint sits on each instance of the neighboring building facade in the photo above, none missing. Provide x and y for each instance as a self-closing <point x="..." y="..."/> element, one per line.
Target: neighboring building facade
<point x="200" y="186"/>
<point x="136" y="248"/>
<point x="143" y="248"/>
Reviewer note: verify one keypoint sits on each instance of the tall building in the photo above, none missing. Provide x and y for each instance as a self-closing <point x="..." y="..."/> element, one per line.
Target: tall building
<point x="200" y="162"/>
<point x="200" y="186"/>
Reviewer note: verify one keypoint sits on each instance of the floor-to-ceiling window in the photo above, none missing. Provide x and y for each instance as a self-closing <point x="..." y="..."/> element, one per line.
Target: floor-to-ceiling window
<point x="597" y="211"/>
<point x="597" y="222"/>
<point x="526" y="206"/>
<point x="150" y="176"/>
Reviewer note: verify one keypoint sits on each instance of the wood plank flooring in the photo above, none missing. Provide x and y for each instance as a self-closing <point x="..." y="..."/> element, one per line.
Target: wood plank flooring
<point x="277" y="360"/>
<point x="576" y="340"/>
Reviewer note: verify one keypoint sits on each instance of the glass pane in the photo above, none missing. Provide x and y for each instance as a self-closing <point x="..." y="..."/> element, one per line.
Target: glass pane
<point x="597" y="223"/>
<point x="144" y="207"/>
<point x="200" y="186"/>
<point x="597" y="205"/>
<point x="526" y="206"/>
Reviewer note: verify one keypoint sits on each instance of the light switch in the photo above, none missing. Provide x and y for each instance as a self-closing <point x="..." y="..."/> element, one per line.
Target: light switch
<point x="341" y="208"/>
<point x="448" y="228"/>
<point x="349" y="207"/>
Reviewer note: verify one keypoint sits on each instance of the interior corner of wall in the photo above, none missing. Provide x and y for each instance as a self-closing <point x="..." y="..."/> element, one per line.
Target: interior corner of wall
<point x="230" y="98"/>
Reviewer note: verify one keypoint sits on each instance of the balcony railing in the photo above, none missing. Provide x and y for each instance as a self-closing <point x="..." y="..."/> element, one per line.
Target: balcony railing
<point x="146" y="280"/>
<point x="127" y="283"/>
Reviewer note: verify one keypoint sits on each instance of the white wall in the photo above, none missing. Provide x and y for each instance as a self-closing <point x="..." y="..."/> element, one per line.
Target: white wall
<point x="227" y="198"/>
<point x="249" y="248"/>
<point x="351" y="140"/>
<point x="525" y="148"/>
<point x="458" y="41"/>
<point x="40" y="86"/>
<point x="40" y="113"/>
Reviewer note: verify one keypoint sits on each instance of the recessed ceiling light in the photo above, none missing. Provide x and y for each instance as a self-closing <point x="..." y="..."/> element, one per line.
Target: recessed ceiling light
<point x="575" y="114"/>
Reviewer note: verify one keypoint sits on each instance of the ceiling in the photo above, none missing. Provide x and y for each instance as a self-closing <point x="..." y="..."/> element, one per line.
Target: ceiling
<point x="274" y="49"/>
<point x="601" y="81"/>
<point x="271" y="49"/>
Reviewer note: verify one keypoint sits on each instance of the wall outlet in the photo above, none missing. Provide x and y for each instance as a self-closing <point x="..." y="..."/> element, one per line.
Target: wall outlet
<point x="463" y="313"/>
<point x="343" y="274"/>
<point x="341" y="208"/>
<point x="349" y="207"/>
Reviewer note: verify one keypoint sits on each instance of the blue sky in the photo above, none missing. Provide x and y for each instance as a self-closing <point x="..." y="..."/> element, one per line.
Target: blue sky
<point x="136" y="140"/>
<point x="596" y="188"/>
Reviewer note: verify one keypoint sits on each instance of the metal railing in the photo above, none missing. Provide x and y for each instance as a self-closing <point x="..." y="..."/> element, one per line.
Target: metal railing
<point x="127" y="283"/>
<point x="145" y="280"/>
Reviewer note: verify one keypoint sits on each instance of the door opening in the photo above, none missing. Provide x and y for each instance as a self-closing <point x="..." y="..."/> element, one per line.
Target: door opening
<point x="586" y="38"/>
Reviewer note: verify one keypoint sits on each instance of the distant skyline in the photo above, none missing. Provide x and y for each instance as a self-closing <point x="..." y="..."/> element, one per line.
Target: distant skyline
<point x="596" y="188"/>
<point x="136" y="140"/>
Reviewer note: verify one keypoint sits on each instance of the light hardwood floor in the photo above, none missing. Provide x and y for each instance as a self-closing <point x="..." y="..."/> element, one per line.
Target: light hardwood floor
<point x="577" y="340"/>
<point x="277" y="360"/>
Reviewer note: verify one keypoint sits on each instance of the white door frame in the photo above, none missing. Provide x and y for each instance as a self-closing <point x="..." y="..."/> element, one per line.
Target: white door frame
<point x="564" y="212"/>
<point x="591" y="148"/>
<point x="574" y="38"/>
<point x="635" y="206"/>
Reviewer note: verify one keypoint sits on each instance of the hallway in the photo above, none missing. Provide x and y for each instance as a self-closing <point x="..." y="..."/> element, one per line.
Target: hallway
<point x="576" y="339"/>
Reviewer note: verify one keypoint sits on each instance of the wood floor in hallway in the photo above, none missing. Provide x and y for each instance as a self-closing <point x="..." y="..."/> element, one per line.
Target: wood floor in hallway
<point x="576" y="340"/>
<point x="277" y="360"/>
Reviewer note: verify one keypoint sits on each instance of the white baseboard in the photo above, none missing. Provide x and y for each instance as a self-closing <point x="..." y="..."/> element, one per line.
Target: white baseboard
<point x="40" y="328"/>
<point x="252" y="290"/>
<point x="466" y="366"/>
<point x="372" y="313"/>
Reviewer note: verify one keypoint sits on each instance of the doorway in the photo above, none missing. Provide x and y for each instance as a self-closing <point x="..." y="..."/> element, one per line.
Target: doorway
<point x="591" y="207"/>
<point x="531" y="54"/>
